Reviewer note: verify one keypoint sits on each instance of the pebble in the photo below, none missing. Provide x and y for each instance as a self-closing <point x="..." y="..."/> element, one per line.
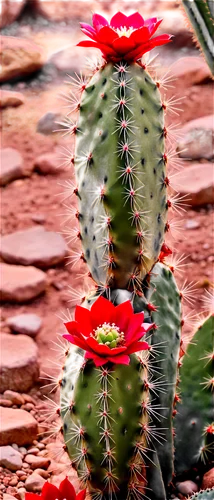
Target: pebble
<point x="49" y="123"/>
<point x="19" y="57"/>
<point x="10" y="11"/>
<point x="10" y="99"/>
<point x="17" y="426"/>
<point x="43" y="473"/>
<point x="14" y="397"/>
<point x="10" y="458"/>
<point x="37" y="462"/>
<point x="33" y="246"/>
<point x="208" y="479"/>
<point x="197" y="139"/>
<point x="187" y="487"/>
<point x="48" y="163"/>
<point x="26" y="323"/>
<point x="19" y="368"/>
<point x="20" y="283"/>
<point x="197" y="182"/>
<point x="12" y="166"/>
<point x="191" y="70"/>
<point x="33" y="451"/>
<point x="34" y="483"/>
<point x="192" y="224"/>
<point x="6" y="403"/>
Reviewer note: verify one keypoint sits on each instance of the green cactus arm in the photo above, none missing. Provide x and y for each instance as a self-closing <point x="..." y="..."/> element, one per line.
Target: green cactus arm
<point x="166" y="344"/>
<point x="201" y="16"/>
<point x="195" y="412"/>
<point x="204" y="495"/>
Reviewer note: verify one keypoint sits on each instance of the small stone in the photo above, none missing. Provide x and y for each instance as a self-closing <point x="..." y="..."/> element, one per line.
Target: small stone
<point x="19" y="368"/>
<point x="10" y="12"/>
<point x="10" y="99"/>
<point x="191" y="71"/>
<point x="14" y="397"/>
<point x="208" y="479"/>
<point x="38" y="218"/>
<point x="33" y="451"/>
<point x="17" y="426"/>
<point x="13" y="481"/>
<point x="28" y="406"/>
<point x="36" y="462"/>
<point x="197" y="182"/>
<point x="187" y="487"/>
<point x="6" y="403"/>
<point x="29" y="399"/>
<point x="198" y="139"/>
<point x="34" y="483"/>
<point x="48" y="163"/>
<point x="23" y="450"/>
<point x="7" y="497"/>
<point x="10" y="458"/>
<point x="192" y="224"/>
<point x="11" y="165"/>
<point x="19" y="57"/>
<point x="49" y="123"/>
<point x="43" y="473"/>
<point x="20" y="283"/>
<point x="33" y="246"/>
<point x="26" y="323"/>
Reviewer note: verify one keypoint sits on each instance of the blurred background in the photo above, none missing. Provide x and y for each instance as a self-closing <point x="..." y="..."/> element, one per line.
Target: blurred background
<point x="41" y="280"/>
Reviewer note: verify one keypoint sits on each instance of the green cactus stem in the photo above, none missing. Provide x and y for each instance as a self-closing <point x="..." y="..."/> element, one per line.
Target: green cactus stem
<point x="193" y="423"/>
<point x="201" y="17"/>
<point x="105" y="424"/>
<point x="207" y="494"/>
<point x="120" y="165"/>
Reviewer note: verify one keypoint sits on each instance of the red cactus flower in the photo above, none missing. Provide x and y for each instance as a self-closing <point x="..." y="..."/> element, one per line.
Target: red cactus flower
<point x="65" y="491"/>
<point x="108" y="332"/>
<point x="165" y="252"/>
<point x="125" y="38"/>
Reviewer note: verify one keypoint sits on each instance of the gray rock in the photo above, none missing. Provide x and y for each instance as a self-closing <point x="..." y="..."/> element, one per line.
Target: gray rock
<point x="190" y="71"/>
<point x="9" y="98"/>
<point x="19" y="57"/>
<point x="19" y="368"/>
<point x="10" y="458"/>
<point x="187" y="487"/>
<point x="34" y="483"/>
<point x="33" y="246"/>
<point x="192" y="224"/>
<point x="17" y="426"/>
<point x="11" y="165"/>
<point x="197" y="183"/>
<point x="49" y="123"/>
<point x="20" y="283"/>
<point x="26" y="323"/>
<point x="48" y="163"/>
<point x="198" y="139"/>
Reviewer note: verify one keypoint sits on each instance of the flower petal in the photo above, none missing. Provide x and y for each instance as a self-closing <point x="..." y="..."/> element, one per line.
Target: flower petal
<point x="119" y="20"/>
<point x="134" y="326"/>
<point x="99" y="21"/>
<point x="140" y="36"/>
<point x="154" y="26"/>
<point x="101" y="312"/>
<point x="67" y="490"/>
<point x="88" y="43"/>
<point x="107" y="35"/>
<point x="81" y="495"/>
<point x="160" y="40"/>
<point x="83" y="318"/>
<point x="122" y="359"/>
<point x="50" y="492"/>
<point x="73" y="339"/>
<point x="122" y="315"/>
<point x="32" y="496"/>
<point x="123" y="44"/>
<point x="98" y="361"/>
<point x="137" y="346"/>
<point x="135" y="20"/>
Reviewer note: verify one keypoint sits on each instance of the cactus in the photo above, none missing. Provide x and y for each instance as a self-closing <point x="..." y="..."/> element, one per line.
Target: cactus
<point x="195" y="413"/>
<point x="201" y="17"/>
<point x="118" y="393"/>
<point x="207" y="494"/>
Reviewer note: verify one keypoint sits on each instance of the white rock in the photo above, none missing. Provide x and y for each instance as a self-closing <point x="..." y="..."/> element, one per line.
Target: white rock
<point x="26" y="323"/>
<point x="10" y="458"/>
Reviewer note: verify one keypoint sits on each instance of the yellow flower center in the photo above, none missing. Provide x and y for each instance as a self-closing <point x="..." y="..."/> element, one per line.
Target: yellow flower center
<point x="123" y="31"/>
<point x="109" y="334"/>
